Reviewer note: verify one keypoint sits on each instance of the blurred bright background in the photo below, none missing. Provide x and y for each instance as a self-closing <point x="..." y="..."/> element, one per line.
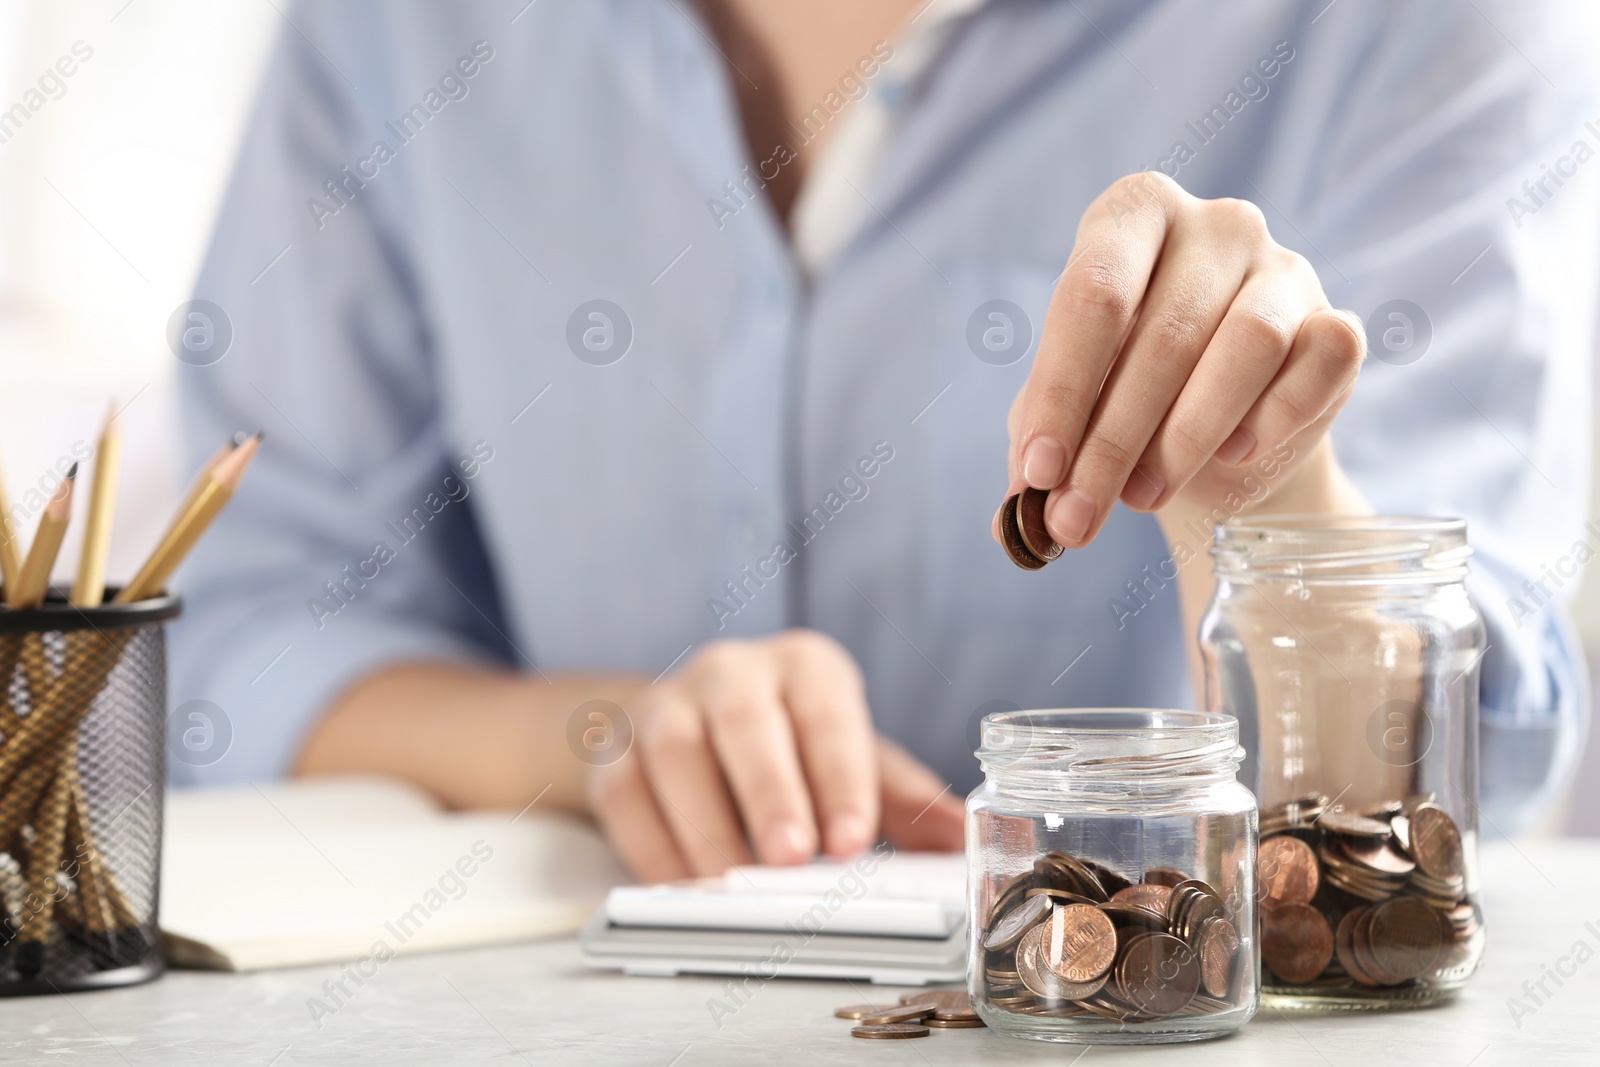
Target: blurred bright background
<point x="109" y="179"/>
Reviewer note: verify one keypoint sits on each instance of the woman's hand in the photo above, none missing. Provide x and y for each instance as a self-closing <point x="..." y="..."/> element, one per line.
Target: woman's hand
<point x="1182" y="346"/>
<point x="763" y="749"/>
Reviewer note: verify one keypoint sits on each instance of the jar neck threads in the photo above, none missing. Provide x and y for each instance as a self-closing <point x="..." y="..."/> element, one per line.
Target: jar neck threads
<point x="1110" y="747"/>
<point x="1343" y="550"/>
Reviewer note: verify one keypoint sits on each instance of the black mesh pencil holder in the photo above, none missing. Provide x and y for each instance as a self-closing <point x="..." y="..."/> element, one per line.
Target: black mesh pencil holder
<point x="83" y="695"/>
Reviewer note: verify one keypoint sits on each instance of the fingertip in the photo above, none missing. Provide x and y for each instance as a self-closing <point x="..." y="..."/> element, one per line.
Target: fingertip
<point x="787" y="843"/>
<point x="1044" y="462"/>
<point x="848" y="833"/>
<point x="1069" y="517"/>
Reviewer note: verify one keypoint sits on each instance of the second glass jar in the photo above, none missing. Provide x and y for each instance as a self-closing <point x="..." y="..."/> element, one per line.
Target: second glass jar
<point x="1111" y="877"/>
<point x="1348" y="649"/>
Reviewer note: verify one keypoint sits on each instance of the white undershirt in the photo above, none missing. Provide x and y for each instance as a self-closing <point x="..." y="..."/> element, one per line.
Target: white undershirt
<point x="832" y="200"/>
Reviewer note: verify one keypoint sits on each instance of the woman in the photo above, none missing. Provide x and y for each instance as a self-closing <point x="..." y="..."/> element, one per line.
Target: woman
<point x="638" y="382"/>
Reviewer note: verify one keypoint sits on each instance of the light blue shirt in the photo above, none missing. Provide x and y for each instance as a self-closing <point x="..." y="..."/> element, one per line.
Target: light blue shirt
<point x="469" y="458"/>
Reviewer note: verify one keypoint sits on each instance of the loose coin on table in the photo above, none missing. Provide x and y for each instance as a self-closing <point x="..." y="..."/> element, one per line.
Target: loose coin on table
<point x="902" y="1013"/>
<point x="859" y="1011"/>
<point x="889" y="1031"/>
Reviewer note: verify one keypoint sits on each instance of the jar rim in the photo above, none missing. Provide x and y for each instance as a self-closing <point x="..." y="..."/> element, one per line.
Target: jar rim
<point x="1311" y="525"/>
<point x="1344" y="549"/>
<point x="1110" y="743"/>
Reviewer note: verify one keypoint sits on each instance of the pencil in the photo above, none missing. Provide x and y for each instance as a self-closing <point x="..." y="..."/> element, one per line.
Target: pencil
<point x="216" y="489"/>
<point x="90" y="588"/>
<point x="200" y="481"/>
<point x="10" y="549"/>
<point x="34" y="579"/>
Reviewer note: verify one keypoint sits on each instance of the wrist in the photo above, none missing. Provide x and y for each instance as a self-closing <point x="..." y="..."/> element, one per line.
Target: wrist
<point x="1278" y="483"/>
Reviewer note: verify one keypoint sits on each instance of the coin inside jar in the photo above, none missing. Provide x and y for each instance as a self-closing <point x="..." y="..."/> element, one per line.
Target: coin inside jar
<point x="1287" y="871"/>
<point x="1436" y="842"/>
<point x="1219" y="949"/>
<point x="1159" y="974"/>
<point x="1406" y="936"/>
<point x="1296" y="942"/>
<point x="1016" y="922"/>
<point x="1080" y="943"/>
<point x="1145" y="895"/>
<point x="1345" y="822"/>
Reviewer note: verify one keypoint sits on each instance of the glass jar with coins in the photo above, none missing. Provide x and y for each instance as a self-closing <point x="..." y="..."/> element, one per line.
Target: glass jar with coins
<point x="1111" y="859"/>
<point x="1348" y="649"/>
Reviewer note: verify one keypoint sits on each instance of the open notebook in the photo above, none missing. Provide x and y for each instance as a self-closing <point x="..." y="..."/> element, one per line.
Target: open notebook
<point x="293" y="873"/>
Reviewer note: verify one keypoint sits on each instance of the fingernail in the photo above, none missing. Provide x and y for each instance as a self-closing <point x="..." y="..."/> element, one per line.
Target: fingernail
<point x="1070" y="517"/>
<point x="1044" y="463"/>
<point x="788" y="842"/>
<point x="1240" y="443"/>
<point x="847" y="834"/>
<point x="1143" y="489"/>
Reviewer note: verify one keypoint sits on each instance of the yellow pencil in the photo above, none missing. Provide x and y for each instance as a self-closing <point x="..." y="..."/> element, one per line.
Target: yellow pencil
<point x="10" y="547"/>
<point x="90" y="588"/>
<point x="34" y="580"/>
<point x="216" y="488"/>
<point x="199" y="482"/>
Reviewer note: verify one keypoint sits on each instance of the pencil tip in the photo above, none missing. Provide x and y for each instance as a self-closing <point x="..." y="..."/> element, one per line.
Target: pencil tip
<point x="261" y="435"/>
<point x="73" y="473"/>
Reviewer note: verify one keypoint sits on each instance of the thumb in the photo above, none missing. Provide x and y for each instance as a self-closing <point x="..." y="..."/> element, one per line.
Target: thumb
<point x="920" y="814"/>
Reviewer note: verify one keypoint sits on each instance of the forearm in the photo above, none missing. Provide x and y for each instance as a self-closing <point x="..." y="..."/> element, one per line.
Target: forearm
<point x="475" y="737"/>
<point x="1316" y="486"/>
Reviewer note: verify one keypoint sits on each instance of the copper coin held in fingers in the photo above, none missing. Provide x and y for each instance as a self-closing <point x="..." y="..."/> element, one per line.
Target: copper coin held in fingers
<point x="1287" y="872"/>
<point x="1030" y="523"/>
<point x="1296" y="942"/>
<point x="889" y="1031"/>
<point x="1011" y="537"/>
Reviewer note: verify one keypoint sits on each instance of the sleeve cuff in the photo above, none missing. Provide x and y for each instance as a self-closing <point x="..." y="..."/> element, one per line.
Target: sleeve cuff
<point x="1533" y="701"/>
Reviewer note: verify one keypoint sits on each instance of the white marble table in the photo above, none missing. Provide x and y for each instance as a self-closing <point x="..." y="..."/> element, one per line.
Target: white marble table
<point x="534" y="1003"/>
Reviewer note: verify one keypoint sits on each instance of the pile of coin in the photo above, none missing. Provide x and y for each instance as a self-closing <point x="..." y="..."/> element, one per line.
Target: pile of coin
<point x="1022" y="530"/>
<point x="916" y="1014"/>
<point x="1375" y="896"/>
<point x="1072" y="937"/>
